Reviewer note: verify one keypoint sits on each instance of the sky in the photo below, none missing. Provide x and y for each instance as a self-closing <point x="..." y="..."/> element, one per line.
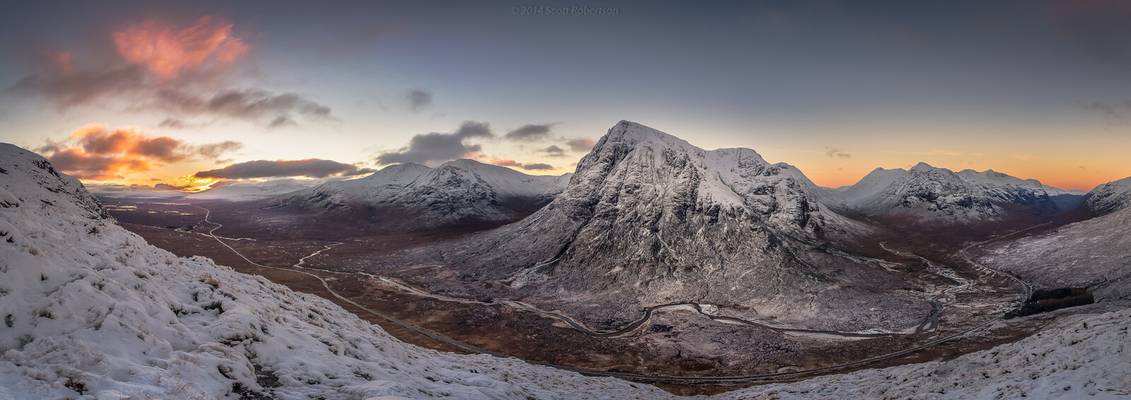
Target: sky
<point x="185" y="94"/>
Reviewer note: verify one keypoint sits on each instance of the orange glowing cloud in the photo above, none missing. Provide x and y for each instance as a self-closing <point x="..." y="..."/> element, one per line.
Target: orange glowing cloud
<point x="505" y="163"/>
<point x="96" y="153"/>
<point x="167" y="50"/>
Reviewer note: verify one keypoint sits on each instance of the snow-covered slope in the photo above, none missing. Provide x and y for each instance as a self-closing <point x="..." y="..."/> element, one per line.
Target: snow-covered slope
<point x="942" y="195"/>
<point x="1110" y="197"/>
<point x="1078" y="357"/>
<point x="249" y="191"/>
<point x="375" y="188"/>
<point x="458" y="191"/>
<point x="650" y="219"/>
<point x="1094" y="253"/>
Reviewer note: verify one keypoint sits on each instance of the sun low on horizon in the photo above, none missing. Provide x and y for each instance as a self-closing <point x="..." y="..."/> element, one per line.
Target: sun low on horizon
<point x="176" y="96"/>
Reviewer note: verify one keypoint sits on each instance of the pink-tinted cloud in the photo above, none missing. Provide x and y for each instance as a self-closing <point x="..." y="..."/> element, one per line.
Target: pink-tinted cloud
<point x="184" y="71"/>
<point x="505" y="163"/>
<point x="516" y="164"/>
<point x="167" y="51"/>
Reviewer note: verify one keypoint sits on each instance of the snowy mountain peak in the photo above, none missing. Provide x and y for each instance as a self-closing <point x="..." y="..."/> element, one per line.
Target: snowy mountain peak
<point x="732" y="178"/>
<point x="465" y="163"/>
<point x="396" y="173"/>
<point x="413" y="196"/>
<point x="632" y="133"/>
<point x="924" y="167"/>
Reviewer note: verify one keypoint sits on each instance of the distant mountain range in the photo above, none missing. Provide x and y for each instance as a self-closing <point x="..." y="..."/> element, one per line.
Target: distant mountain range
<point x="939" y="195"/>
<point x="250" y="191"/>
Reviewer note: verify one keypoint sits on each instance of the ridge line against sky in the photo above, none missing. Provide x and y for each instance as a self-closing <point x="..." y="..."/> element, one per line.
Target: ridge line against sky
<point x="157" y="92"/>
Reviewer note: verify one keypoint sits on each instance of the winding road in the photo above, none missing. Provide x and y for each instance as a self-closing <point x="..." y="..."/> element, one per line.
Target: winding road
<point x="735" y="379"/>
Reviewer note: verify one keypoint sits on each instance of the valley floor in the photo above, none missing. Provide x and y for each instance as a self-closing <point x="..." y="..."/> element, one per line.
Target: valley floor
<point x="679" y="342"/>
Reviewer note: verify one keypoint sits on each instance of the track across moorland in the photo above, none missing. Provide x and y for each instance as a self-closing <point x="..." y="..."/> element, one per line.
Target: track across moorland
<point x="646" y="378"/>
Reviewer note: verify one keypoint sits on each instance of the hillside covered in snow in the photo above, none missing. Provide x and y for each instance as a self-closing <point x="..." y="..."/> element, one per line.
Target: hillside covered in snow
<point x="1110" y="197"/>
<point x="1094" y="253"/>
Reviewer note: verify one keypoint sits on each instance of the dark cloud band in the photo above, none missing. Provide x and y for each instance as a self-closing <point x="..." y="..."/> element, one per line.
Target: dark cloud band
<point x="312" y="168"/>
<point x="437" y="146"/>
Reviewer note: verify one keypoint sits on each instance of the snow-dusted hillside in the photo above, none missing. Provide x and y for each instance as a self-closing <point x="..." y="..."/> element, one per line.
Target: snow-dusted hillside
<point x="455" y="192"/>
<point x="941" y="195"/>
<point x="1078" y="357"/>
<point x="650" y="219"/>
<point x="1094" y="253"/>
<point x="377" y="187"/>
<point x="1110" y="197"/>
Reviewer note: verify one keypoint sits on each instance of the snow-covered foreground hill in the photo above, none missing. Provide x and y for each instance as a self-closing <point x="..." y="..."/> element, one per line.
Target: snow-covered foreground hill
<point x="1079" y="357"/>
<point x="92" y="311"/>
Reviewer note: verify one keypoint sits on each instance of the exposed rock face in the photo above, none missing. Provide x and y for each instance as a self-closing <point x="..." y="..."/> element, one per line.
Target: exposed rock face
<point x="413" y="196"/>
<point x="940" y="195"/>
<point x="649" y="219"/>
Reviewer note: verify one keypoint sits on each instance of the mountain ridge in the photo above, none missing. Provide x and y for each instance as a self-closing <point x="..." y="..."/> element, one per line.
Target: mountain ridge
<point x="414" y="196"/>
<point x="941" y="195"/>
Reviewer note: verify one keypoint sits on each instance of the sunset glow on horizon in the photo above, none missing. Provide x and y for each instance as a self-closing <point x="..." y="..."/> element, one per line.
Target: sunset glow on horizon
<point x="155" y="94"/>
